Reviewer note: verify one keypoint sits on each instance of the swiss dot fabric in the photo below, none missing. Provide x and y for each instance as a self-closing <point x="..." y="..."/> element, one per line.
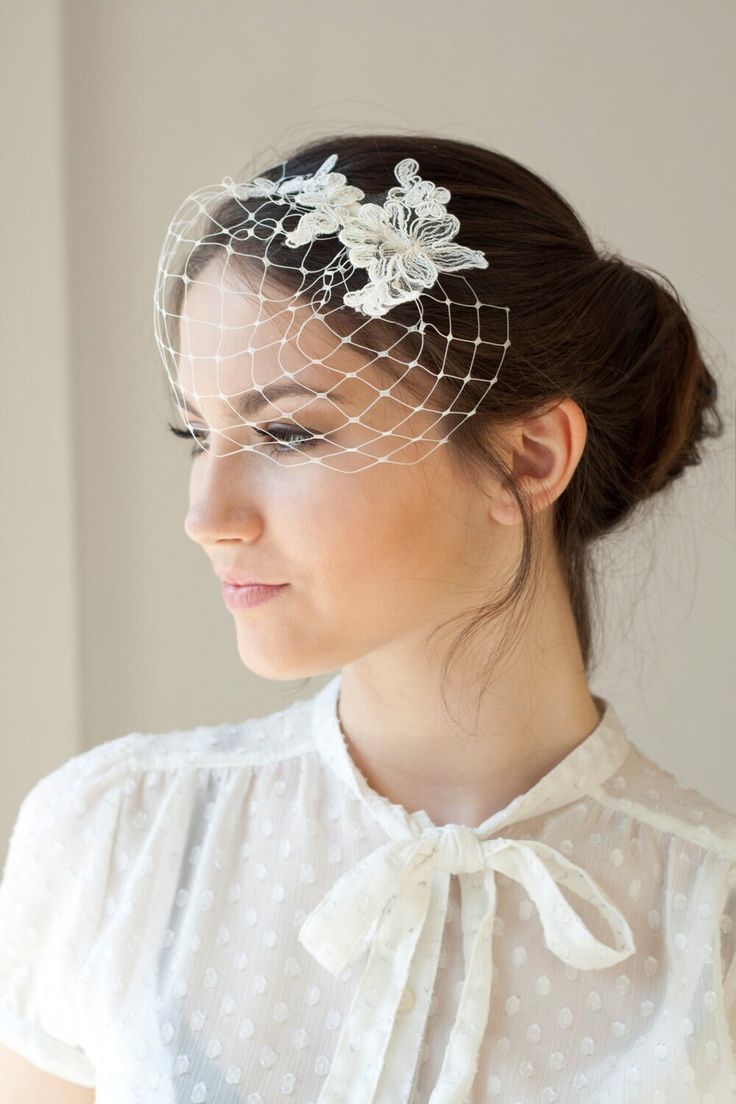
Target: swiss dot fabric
<point x="231" y="915"/>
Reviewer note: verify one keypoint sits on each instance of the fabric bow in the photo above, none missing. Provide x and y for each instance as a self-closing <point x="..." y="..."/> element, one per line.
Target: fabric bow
<point x="388" y="895"/>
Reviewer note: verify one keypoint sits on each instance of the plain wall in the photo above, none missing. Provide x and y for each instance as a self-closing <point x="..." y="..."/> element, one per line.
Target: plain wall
<point x="112" y="620"/>
<point x="42" y="718"/>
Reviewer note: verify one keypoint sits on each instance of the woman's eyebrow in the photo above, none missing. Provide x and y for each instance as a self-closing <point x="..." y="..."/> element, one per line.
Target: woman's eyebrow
<point x="249" y="403"/>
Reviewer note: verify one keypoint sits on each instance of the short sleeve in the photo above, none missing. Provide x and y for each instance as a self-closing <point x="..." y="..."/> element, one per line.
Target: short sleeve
<point x="51" y="906"/>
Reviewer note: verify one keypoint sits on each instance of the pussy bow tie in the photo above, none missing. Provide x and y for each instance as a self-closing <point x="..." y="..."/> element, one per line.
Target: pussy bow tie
<point x="390" y="891"/>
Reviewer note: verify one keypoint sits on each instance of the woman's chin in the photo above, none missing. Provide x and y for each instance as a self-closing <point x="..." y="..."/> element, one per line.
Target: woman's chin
<point x="274" y="666"/>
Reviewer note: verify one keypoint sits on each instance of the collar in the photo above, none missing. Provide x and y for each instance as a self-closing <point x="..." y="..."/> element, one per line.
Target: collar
<point x="394" y="902"/>
<point x="586" y="767"/>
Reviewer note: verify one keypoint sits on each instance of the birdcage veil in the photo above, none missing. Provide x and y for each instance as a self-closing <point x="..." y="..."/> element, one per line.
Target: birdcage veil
<point x="229" y="333"/>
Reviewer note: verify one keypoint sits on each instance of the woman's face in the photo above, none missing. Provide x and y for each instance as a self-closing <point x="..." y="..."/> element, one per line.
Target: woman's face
<point x="375" y="558"/>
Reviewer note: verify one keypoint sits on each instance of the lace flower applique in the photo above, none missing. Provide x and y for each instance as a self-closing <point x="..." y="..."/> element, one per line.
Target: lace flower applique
<point x="404" y="244"/>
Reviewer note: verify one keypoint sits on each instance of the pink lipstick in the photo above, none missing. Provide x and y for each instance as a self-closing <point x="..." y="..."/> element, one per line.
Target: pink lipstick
<point x="243" y="597"/>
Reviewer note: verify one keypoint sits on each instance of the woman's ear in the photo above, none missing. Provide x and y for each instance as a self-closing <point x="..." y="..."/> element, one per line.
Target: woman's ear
<point x="542" y="452"/>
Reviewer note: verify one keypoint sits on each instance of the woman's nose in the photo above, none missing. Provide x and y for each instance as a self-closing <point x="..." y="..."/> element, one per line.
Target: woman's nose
<point x="221" y="505"/>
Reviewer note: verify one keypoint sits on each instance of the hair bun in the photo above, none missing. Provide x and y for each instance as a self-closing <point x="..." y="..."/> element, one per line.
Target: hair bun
<point x="678" y="392"/>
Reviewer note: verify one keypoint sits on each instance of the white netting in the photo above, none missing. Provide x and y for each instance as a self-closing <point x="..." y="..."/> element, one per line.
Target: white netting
<point x="251" y="290"/>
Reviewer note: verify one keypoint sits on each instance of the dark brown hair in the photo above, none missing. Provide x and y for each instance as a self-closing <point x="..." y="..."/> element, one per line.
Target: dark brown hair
<point x="585" y="323"/>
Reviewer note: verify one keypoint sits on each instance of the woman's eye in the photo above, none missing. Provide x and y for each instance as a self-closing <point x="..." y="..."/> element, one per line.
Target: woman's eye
<point x="287" y="439"/>
<point x="198" y="435"/>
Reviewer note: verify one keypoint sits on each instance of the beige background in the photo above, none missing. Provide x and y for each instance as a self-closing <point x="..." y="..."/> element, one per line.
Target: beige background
<point x="112" y="620"/>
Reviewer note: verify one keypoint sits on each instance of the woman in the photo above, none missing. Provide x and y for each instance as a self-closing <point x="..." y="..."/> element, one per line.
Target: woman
<point x="449" y="875"/>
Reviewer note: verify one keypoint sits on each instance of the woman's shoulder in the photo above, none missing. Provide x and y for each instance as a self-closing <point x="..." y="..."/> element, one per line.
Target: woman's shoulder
<point x="249" y="742"/>
<point x="647" y="791"/>
<point x="95" y="801"/>
<point x="132" y="767"/>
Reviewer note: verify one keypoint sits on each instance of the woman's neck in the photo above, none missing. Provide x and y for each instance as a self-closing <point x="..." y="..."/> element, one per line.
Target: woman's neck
<point x="465" y="767"/>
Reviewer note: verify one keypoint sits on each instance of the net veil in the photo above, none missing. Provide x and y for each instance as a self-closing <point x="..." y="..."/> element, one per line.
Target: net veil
<point x="302" y="288"/>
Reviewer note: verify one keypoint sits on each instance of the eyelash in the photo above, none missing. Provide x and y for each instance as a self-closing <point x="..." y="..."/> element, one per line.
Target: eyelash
<point x="306" y="439"/>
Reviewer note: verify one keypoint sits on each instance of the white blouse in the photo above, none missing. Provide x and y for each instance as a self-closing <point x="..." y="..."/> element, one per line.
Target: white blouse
<point x="231" y="915"/>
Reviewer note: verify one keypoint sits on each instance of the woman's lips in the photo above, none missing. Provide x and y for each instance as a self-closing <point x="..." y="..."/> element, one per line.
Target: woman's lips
<point x="253" y="594"/>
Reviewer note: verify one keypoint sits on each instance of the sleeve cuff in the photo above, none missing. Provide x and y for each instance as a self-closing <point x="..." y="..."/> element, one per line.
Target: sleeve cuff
<point x="42" y="1051"/>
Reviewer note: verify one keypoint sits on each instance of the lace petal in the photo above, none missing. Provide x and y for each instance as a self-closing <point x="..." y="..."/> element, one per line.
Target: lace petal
<point x="311" y="225"/>
<point x="432" y="232"/>
<point x="363" y="255"/>
<point x="419" y="267"/>
<point x="407" y="171"/>
<point x="450" y="258"/>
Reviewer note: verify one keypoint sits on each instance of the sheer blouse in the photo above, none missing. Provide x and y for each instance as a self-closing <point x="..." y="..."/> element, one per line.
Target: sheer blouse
<point x="232" y="915"/>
